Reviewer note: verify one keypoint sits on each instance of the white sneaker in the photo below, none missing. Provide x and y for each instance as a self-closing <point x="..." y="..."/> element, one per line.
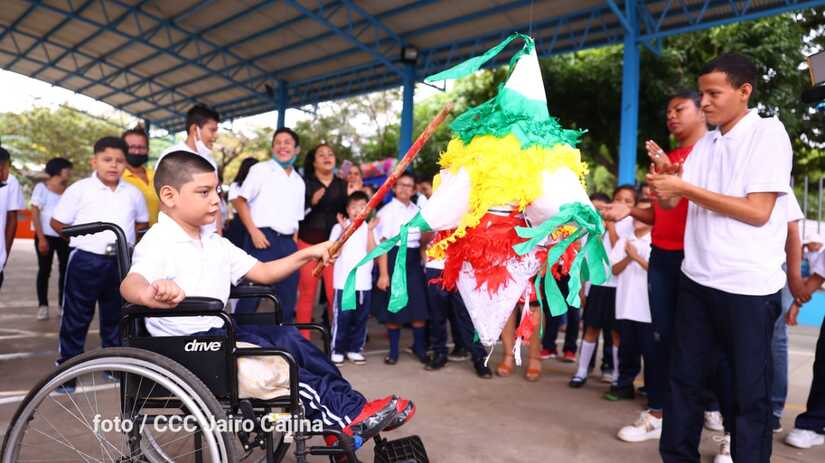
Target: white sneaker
<point x="804" y="439"/>
<point x="724" y="449"/>
<point x="337" y="359"/>
<point x="645" y="428"/>
<point x="713" y="421"/>
<point x="43" y="312"/>
<point x="607" y="378"/>
<point x="356" y="358"/>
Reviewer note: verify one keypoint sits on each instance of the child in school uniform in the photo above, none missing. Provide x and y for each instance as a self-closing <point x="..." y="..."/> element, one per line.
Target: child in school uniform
<point x="349" y="327"/>
<point x="92" y="273"/>
<point x="11" y="201"/>
<point x="396" y="213"/>
<point x="177" y="258"/>
<point x="600" y="310"/>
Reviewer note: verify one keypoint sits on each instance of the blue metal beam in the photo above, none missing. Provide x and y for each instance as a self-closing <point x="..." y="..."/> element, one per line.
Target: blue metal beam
<point x="43" y="38"/>
<point x="189" y="38"/>
<point x="616" y="11"/>
<point x="346" y="35"/>
<point x="151" y="45"/>
<point x="630" y="99"/>
<point x="698" y="24"/>
<point x="405" y="135"/>
<point x="17" y="21"/>
<point x="283" y="102"/>
<point x="85" y="41"/>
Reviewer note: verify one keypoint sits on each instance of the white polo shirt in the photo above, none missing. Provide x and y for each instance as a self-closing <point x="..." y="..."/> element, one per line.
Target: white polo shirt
<point x="11" y="199"/>
<point x="276" y="199"/>
<point x="182" y="146"/>
<point x="206" y="267"/>
<point x="353" y="251"/>
<point x="89" y="200"/>
<point x="393" y="216"/>
<point x="624" y="228"/>
<point x="723" y="253"/>
<point x="46" y="200"/>
<point x="234" y="191"/>
<point x="631" y="285"/>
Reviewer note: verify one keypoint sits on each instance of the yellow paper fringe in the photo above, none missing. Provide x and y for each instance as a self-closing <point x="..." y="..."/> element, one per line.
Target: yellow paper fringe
<point x="502" y="173"/>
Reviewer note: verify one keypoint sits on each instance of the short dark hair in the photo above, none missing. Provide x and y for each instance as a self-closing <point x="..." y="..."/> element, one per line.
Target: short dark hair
<point x="291" y="134"/>
<point x="56" y="165"/>
<point x="408" y="175"/>
<point x="424" y="179"/>
<point x="686" y="94"/>
<point x="178" y="168"/>
<point x="599" y="196"/>
<point x="627" y="187"/>
<point x="136" y="130"/>
<point x="738" y="68"/>
<point x="200" y="114"/>
<point x="4" y="155"/>
<point x="357" y="195"/>
<point x="111" y="142"/>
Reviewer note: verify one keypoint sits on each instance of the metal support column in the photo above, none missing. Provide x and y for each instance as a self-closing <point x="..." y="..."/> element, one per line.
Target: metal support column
<point x="282" y="102"/>
<point x="630" y="97"/>
<point x="405" y="137"/>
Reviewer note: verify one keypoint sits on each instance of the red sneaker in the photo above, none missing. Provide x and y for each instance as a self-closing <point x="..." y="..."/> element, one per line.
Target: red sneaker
<point x="548" y="354"/>
<point x="569" y="357"/>
<point x="406" y="410"/>
<point x="374" y="417"/>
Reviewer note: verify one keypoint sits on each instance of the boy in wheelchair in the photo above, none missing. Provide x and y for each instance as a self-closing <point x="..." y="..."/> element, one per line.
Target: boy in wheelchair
<point x="176" y="259"/>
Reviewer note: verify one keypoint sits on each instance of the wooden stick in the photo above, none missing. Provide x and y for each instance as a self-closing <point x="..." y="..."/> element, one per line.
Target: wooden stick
<point x="388" y="184"/>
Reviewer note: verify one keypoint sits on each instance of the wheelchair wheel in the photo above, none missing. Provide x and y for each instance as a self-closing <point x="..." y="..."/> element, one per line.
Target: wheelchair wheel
<point x="110" y="405"/>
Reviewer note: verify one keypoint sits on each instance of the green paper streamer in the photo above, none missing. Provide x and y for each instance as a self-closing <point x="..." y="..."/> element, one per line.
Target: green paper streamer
<point x="474" y="64"/>
<point x="592" y="254"/>
<point x="398" y="293"/>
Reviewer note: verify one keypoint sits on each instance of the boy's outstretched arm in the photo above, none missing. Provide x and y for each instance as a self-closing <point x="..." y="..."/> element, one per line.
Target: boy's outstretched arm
<point x="161" y="294"/>
<point x="267" y="273"/>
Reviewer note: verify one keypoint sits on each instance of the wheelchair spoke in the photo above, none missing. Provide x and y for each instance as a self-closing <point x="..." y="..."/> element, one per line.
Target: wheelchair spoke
<point x="65" y="442"/>
<point x="88" y="426"/>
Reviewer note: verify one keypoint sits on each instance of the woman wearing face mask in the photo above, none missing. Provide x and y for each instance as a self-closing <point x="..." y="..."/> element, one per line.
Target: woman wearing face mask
<point x="136" y="171"/>
<point x="326" y="197"/>
<point x="46" y="241"/>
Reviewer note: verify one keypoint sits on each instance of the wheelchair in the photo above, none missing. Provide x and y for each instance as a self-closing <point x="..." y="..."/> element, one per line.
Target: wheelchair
<point x="120" y="404"/>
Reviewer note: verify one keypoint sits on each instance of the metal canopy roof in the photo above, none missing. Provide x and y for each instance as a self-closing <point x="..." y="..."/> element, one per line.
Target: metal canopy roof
<point x="154" y="59"/>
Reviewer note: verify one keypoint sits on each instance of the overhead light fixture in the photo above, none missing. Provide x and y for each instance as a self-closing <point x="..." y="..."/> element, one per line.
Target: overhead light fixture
<point x="409" y="54"/>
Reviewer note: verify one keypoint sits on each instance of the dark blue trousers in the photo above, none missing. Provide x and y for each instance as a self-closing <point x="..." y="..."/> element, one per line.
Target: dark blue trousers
<point x="814" y="417"/>
<point x="636" y="344"/>
<point x="552" y="324"/>
<point x="710" y="325"/>
<point x="287" y="289"/>
<point x="349" y="327"/>
<point x="90" y="279"/>
<point x="442" y="303"/>
<point x="324" y="392"/>
<point x="663" y="277"/>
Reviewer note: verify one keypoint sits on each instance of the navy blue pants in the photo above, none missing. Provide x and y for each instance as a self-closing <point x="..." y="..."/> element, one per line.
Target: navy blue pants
<point x="287" y="289"/>
<point x="90" y="278"/>
<point x="814" y="417"/>
<point x="443" y="303"/>
<point x="710" y="325"/>
<point x="663" y="278"/>
<point x="636" y="344"/>
<point x="325" y="394"/>
<point x="349" y="327"/>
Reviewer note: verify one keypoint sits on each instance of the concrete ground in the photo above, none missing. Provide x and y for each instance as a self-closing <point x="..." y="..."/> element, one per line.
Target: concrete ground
<point x="460" y="417"/>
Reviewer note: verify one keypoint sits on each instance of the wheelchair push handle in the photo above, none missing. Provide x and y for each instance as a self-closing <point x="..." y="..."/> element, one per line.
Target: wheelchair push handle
<point x="121" y="245"/>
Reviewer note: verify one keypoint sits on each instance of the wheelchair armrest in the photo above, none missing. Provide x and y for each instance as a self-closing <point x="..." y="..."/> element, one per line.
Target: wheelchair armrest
<point x="315" y="327"/>
<point x="248" y="291"/>
<point x="189" y="306"/>
<point x="290" y="360"/>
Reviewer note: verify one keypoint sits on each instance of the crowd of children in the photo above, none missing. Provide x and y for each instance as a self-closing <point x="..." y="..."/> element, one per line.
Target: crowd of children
<point x="681" y="304"/>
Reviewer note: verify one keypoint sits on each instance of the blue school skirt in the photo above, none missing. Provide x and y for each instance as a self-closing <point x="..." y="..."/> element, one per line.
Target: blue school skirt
<point x="416" y="308"/>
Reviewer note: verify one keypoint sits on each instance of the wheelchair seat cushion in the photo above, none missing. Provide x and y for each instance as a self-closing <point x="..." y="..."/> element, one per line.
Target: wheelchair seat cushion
<point x="264" y="377"/>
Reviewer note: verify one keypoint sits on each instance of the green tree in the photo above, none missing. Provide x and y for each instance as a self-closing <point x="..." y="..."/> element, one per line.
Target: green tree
<point x="39" y="134"/>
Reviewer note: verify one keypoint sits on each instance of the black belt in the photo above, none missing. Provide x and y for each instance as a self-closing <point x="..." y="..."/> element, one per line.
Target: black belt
<point x="279" y="234"/>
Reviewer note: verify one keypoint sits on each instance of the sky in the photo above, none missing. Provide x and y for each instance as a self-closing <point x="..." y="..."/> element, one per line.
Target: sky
<point x="29" y="92"/>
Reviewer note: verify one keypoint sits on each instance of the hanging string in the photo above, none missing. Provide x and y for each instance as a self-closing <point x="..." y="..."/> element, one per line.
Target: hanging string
<point x="530" y="28"/>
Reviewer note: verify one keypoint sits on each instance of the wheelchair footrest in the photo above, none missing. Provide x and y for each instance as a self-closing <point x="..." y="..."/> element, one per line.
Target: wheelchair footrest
<point x="408" y="449"/>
